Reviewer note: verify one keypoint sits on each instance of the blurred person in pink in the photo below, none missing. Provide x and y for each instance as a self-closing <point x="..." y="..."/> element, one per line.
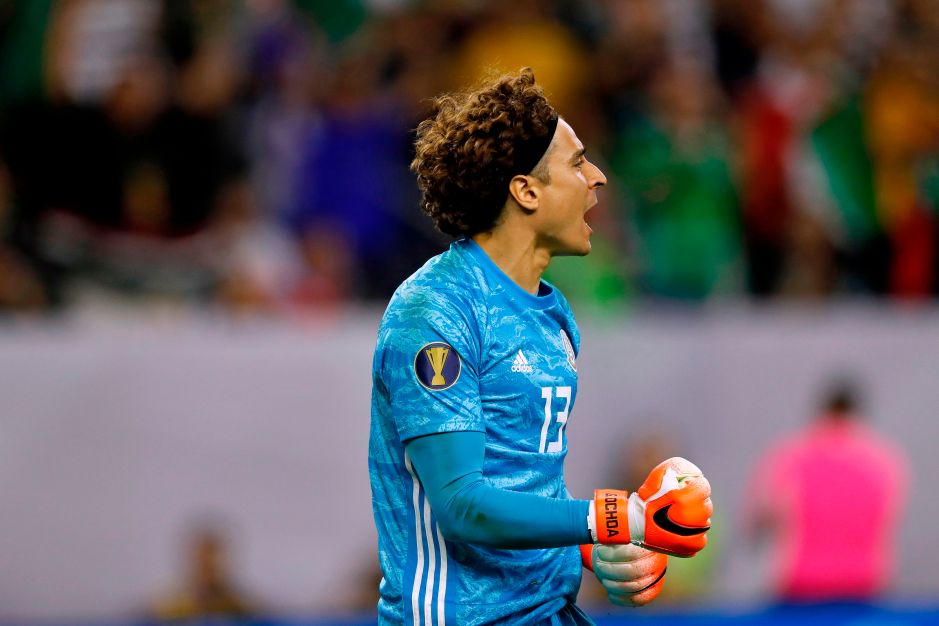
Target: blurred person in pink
<point x="837" y="491"/>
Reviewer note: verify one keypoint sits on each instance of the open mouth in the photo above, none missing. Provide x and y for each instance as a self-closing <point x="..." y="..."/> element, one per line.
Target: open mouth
<point x="590" y="204"/>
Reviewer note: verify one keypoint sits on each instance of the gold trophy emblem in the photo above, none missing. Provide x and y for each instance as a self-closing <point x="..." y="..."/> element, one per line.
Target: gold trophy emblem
<point x="437" y="357"/>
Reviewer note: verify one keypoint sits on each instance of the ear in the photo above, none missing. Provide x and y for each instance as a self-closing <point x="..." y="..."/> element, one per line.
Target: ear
<point x="526" y="192"/>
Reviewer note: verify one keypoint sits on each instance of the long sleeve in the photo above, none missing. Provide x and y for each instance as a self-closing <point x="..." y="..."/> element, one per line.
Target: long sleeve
<point x="470" y="510"/>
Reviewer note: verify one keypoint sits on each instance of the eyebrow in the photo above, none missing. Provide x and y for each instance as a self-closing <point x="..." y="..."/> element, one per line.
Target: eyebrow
<point x="577" y="155"/>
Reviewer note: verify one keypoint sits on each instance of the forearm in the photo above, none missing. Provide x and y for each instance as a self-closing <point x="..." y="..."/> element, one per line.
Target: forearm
<point x="477" y="512"/>
<point x="471" y="510"/>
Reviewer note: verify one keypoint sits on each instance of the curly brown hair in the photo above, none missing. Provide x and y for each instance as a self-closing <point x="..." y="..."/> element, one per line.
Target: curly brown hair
<point x="466" y="151"/>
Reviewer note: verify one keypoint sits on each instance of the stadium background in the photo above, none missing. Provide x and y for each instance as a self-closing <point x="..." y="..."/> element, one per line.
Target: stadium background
<point x="204" y="205"/>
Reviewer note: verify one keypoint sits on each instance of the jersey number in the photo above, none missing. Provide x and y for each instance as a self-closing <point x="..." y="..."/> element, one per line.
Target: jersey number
<point x="548" y="393"/>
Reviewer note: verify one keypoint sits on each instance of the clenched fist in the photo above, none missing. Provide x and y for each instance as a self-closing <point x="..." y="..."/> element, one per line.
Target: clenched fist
<point x="670" y="513"/>
<point x="632" y="576"/>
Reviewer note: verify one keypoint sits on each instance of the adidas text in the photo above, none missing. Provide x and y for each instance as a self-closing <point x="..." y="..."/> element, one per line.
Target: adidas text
<point x="521" y="364"/>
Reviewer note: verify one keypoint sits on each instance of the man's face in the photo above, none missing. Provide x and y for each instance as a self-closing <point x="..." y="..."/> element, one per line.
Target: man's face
<point x="565" y="201"/>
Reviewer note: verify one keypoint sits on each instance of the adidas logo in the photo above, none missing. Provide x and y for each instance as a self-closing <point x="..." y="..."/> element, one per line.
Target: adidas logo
<point x="521" y="364"/>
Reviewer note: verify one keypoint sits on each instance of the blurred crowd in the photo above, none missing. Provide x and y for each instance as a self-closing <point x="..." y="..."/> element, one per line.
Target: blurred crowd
<point x="253" y="154"/>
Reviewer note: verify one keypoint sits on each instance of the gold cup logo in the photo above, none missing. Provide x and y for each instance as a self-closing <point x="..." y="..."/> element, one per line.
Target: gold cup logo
<point x="437" y="357"/>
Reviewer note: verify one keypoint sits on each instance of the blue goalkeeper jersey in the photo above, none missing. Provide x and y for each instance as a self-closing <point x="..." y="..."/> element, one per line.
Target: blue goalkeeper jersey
<point x="462" y="347"/>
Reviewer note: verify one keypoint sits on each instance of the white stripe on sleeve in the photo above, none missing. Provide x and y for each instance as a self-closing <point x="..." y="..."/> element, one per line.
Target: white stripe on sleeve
<point x="418" y="534"/>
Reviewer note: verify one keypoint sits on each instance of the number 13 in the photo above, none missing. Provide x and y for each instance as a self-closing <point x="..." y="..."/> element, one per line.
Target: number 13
<point x="548" y="393"/>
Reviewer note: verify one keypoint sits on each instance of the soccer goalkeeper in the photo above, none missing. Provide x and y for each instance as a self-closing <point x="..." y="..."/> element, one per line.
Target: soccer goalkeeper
<point x="474" y="381"/>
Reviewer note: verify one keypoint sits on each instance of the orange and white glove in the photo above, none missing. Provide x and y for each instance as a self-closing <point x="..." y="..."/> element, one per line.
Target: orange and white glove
<point x="632" y="576"/>
<point x="670" y="513"/>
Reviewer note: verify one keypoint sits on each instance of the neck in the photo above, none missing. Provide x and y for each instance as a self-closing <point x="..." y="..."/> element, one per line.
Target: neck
<point x="515" y="253"/>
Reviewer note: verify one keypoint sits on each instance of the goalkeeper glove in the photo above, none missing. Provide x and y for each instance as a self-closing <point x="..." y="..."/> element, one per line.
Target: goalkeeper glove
<point x="670" y="513"/>
<point x="632" y="576"/>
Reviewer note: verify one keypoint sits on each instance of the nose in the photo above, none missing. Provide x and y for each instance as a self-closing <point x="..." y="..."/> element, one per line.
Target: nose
<point x="596" y="178"/>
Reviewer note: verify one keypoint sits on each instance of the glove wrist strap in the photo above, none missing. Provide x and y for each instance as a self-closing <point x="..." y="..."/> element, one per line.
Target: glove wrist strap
<point x="611" y="516"/>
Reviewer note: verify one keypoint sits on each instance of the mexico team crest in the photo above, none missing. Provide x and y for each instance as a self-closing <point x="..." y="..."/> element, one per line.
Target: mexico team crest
<point x="569" y="350"/>
<point x="437" y="366"/>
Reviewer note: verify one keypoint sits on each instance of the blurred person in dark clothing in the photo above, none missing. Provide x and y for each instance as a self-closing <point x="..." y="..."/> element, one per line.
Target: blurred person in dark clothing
<point x="116" y="191"/>
<point x="737" y="31"/>
<point x="351" y="181"/>
<point x="630" y="49"/>
<point x="21" y="286"/>
<point x="288" y="67"/>
<point x="838" y="489"/>
<point x="208" y="589"/>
